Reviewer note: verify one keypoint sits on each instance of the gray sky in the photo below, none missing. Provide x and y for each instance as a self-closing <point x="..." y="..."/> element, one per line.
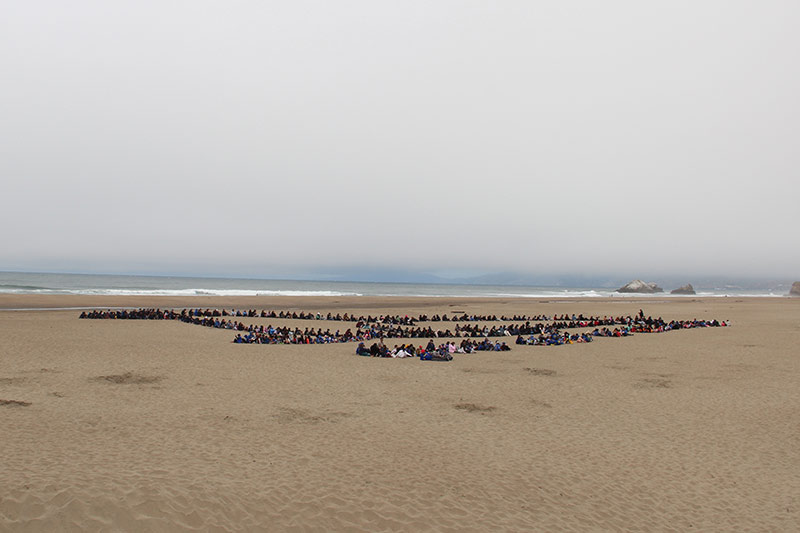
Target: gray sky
<point x="258" y="137"/>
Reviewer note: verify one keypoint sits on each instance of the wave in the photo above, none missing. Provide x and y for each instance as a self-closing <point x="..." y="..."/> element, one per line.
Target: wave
<point x="173" y="292"/>
<point x="444" y="291"/>
<point x="22" y="288"/>
<point x="554" y="294"/>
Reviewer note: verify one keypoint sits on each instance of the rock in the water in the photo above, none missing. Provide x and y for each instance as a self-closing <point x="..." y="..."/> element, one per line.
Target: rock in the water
<point x="686" y="289"/>
<point x="640" y="287"/>
<point x="795" y="291"/>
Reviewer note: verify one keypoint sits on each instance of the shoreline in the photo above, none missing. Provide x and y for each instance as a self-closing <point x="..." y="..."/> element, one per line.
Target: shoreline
<point x="54" y="302"/>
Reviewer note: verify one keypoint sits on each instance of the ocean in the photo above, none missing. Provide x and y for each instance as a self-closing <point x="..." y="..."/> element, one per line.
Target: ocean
<point x="124" y="285"/>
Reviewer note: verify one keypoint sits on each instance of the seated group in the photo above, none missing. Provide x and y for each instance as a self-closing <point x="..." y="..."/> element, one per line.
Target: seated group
<point x="431" y="352"/>
<point x="534" y="331"/>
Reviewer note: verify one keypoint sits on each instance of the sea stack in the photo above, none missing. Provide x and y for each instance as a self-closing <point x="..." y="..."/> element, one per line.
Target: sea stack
<point x="686" y="289"/>
<point x="638" y="286"/>
<point x="795" y="290"/>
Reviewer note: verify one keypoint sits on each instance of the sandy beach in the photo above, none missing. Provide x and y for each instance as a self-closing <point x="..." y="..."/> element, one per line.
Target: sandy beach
<point x="111" y="425"/>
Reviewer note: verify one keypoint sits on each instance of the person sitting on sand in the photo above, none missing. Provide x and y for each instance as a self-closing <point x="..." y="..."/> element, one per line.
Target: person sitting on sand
<point x="401" y="353"/>
<point x="362" y="350"/>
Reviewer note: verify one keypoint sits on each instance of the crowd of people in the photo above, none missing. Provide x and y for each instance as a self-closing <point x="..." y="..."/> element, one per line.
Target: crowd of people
<point x="537" y="330"/>
<point x="431" y="352"/>
<point x="405" y="320"/>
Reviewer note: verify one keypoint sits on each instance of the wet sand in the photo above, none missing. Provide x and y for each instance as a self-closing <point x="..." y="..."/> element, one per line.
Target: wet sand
<point x="164" y="426"/>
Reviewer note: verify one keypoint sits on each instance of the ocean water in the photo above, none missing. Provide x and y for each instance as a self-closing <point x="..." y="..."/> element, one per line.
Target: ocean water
<point x="93" y="284"/>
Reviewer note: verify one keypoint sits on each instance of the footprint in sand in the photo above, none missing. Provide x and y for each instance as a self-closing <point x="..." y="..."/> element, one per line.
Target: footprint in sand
<point x="474" y="408"/>
<point x="541" y="371"/>
<point x="128" y="378"/>
<point x="14" y="403"/>
<point x="653" y="383"/>
<point x="303" y="416"/>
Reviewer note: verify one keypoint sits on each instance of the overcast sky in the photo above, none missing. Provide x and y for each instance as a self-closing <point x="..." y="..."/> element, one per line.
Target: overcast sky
<point x="260" y="137"/>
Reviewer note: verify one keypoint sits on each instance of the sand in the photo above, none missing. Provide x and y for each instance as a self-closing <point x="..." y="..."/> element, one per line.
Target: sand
<point x="164" y="426"/>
